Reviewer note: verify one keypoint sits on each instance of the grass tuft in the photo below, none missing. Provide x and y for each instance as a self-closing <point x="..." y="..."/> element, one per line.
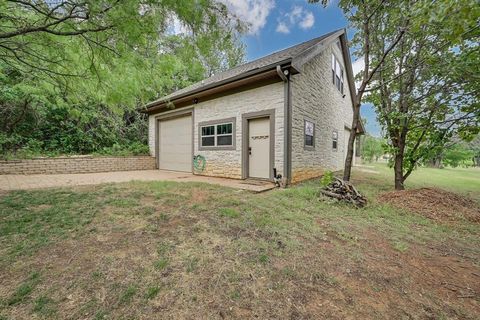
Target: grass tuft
<point x="44" y="306"/>
<point x="229" y="212"/>
<point x="160" y="264"/>
<point x="25" y="289"/>
<point x="152" y="292"/>
<point x="128" y="295"/>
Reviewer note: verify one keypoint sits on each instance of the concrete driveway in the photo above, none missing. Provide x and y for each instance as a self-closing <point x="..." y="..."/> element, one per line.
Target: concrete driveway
<point x="40" y="181"/>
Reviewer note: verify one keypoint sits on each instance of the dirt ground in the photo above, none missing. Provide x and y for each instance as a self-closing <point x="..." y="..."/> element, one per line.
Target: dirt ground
<point x="188" y="251"/>
<point x="435" y="204"/>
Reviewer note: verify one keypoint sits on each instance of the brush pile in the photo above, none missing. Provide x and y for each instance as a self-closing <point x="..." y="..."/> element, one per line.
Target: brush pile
<point x="344" y="191"/>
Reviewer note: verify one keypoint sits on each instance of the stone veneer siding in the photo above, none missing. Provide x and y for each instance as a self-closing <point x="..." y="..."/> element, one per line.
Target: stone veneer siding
<point x="81" y="164"/>
<point x="316" y="98"/>
<point x="228" y="163"/>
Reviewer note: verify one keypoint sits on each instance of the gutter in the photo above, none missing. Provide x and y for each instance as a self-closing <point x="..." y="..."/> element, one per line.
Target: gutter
<point x="241" y="76"/>
<point x="287" y="125"/>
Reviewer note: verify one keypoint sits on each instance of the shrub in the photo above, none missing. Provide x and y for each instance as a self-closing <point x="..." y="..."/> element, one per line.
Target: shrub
<point x="327" y="178"/>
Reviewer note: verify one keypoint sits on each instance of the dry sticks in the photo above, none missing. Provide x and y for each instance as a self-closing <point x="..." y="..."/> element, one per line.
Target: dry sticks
<point x="344" y="191"/>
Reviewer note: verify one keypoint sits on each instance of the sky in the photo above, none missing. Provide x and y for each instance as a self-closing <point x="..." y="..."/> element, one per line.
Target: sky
<point x="278" y="24"/>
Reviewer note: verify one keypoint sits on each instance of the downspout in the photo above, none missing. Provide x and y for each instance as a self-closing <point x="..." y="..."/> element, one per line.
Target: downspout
<point x="284" y="75"/>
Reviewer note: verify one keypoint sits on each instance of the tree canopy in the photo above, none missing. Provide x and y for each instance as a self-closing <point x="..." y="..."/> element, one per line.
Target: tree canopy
<point x="78" y="60"/>
<point x="421" y="72"/>
<point x="426" y="91"/>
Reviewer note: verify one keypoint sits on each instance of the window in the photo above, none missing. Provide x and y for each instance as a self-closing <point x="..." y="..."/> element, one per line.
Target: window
<point x="337" y="74"/>
<point x="208" y="136"/>
<point x="224" y="134"/>
<point x="334" y="139"/>
<point x="309" y="134"/>
<point x="217" y="134"/>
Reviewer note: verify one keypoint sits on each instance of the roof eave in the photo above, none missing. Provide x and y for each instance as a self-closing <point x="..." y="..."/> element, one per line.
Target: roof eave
<point x="162" y="101"/>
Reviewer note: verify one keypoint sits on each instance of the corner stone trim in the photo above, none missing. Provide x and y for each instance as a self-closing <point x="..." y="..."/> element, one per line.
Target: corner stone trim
<point x="87" y="164"/>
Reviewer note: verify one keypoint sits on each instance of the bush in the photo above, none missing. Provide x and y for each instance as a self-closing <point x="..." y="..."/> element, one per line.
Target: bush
<point x="88" y="129"/>
<point x="327" y="178"/>
<point x="134" y="148"/>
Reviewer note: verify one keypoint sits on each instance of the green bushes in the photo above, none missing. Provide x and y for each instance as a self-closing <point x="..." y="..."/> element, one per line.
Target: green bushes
<point x="134" y="148"/>
<point x="88" y="129"/>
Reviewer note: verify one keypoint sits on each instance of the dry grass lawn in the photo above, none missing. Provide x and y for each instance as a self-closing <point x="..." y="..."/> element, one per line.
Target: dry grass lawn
<point x="164" y="250"/>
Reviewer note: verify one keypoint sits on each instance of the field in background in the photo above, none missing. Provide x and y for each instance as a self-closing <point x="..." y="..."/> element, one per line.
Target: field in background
<point x="189" y="250"/>
<point x="460" y="180"/>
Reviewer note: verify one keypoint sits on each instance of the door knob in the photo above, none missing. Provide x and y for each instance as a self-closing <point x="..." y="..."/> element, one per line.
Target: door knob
<point x="249" y="150"/>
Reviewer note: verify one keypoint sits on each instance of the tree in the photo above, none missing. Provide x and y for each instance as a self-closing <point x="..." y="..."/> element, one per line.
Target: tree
<point x="458" y="154"/>
<point x="425" y="94"/>
<point x="363" y="16"/>
<point x="372" y="148"/>
<point x="35" y="34"/>
<point x="79" y="61"/>
<point x="474" y="145"/>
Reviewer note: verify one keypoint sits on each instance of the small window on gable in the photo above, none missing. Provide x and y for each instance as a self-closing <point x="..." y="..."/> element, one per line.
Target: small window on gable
<point x="213" y="135"/>
<point x="337" y="73"/>
<point x="309" y="134"/>
<point x="335" y="139"/>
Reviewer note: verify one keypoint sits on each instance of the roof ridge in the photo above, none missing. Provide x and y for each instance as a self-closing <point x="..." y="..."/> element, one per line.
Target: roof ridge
<point x="274" y="57"/>
<point x="314" y="40"/>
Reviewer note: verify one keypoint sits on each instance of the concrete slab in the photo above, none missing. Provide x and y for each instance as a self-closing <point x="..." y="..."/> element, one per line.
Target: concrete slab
<point x="41" y="181"/>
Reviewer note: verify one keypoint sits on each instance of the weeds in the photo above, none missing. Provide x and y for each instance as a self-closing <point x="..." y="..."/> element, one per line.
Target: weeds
<point x="128" y="295"/>
<point x="25" y="289"/>
<point x="152" y="292"/>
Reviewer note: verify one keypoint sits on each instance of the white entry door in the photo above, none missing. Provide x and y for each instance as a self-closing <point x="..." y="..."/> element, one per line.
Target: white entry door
<point x="259" y="148"/>
<point x="175" y="144"/>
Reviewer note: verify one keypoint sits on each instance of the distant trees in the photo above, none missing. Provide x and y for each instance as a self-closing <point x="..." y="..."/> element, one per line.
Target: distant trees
<point x="371" y="148"/>
<point x="456" y="153"/>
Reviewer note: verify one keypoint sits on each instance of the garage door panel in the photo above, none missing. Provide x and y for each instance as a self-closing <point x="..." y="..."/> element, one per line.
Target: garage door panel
<point x="175" y="144"/>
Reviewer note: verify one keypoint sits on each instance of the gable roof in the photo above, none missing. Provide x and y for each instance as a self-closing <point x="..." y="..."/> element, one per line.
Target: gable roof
<point x="272" y="60"/>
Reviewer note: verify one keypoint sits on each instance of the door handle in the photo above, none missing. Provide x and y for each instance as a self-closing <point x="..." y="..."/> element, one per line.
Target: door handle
<point x="249" y="150"/>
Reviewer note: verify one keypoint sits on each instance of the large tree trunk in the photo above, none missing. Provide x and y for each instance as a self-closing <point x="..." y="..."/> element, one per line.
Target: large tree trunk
<point x="398" y="173"/>
<point x="398" y="168"/>
<point x="347" y="171"/>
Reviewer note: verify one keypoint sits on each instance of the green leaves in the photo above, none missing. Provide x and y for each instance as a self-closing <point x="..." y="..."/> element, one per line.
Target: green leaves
<point x="76" y="89"/>
<point x="426" y="88"/>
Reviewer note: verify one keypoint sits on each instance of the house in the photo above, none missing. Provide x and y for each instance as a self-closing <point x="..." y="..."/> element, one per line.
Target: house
<point x="290" y="111"/>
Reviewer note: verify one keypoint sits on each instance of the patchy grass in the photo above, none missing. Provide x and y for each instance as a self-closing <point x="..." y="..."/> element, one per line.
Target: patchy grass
<point x="44" y="306"/>
<point x="464" y="181"/>
<point x="138" y="249"/>
<point x="24" y="289"/>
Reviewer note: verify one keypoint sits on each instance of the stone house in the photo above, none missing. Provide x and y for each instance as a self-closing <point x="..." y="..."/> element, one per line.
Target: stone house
<point x="289" y="112"/>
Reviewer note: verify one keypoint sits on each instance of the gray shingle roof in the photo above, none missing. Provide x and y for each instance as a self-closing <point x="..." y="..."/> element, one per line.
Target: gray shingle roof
<point x="279" y="56"/>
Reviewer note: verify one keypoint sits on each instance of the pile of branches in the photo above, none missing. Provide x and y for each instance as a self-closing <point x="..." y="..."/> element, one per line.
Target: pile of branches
<point x="344" y="191"/>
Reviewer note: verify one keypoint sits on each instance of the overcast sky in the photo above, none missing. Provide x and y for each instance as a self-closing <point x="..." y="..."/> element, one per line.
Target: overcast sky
<point x="278" y="24"/>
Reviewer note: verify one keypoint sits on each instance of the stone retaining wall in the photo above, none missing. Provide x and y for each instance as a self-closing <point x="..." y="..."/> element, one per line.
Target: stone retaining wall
<point x="80" y="164"/>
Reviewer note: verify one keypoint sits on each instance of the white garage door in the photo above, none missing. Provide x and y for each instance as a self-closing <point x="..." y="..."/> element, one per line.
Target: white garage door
<point x="175" y="143"/>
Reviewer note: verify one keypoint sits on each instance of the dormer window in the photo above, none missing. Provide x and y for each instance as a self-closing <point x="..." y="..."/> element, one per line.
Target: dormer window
<point x="337" y="74"/>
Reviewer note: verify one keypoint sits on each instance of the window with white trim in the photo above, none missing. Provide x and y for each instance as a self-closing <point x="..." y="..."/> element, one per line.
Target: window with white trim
<point x="217" y="135"/>
<point x="337" y="73"/>
<point x="309" y="134"/>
